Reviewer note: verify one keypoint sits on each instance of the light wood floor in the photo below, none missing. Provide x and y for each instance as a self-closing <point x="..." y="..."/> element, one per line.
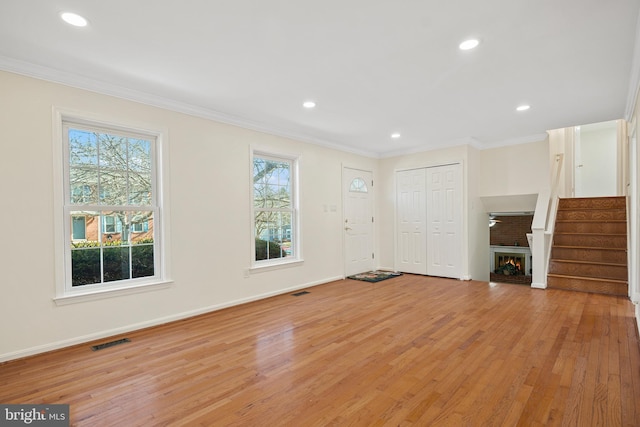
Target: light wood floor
<point x="407" y="351"/>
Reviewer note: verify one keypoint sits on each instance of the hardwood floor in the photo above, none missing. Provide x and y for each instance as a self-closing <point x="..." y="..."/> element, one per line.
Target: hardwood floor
<point x="406" y="351"/>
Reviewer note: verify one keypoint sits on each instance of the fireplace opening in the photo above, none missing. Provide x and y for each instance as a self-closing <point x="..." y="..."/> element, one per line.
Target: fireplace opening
<point x="510" y="264"/>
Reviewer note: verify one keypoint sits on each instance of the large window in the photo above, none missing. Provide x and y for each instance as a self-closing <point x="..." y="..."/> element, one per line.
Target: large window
<point x="275" y="214"/>
<point x="110" y="207"/>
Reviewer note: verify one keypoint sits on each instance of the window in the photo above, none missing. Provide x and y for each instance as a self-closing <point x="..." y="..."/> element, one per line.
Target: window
<point x="78" y="228"/>
<point x="275" y="213"/>
<point x="111" y="207"/>
<point x="358" y="186"/>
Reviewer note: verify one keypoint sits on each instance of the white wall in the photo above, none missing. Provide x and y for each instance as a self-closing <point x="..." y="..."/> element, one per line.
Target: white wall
<point x="515" y="169"/>
<point x="210" y="219"/>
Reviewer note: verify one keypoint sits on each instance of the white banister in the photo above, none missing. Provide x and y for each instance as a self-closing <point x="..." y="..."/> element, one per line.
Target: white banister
<point x="544" y="219"/>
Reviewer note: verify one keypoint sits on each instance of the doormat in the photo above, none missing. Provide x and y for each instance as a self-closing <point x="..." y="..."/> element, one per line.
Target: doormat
<point x="374" y="276"/>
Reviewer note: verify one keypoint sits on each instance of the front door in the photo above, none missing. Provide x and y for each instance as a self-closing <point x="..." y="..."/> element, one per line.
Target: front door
<point x="357" y="189"/>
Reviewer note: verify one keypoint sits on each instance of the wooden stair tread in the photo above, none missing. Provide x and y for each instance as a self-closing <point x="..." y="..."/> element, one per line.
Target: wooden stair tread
<point x="573" y="233"/>
<point x="590" y="208"/>
<point x="575" y="261"/>
<point x="596" y="221"/>
<point x="593" y="279"/>
<point x="593" y="248"/>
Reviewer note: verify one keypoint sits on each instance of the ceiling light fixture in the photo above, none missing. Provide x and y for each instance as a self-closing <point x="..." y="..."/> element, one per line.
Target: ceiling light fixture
<point x="74" y="19"/>
<point x="308" y="104"/>
<point x="395" y="135"/>
<point x="469" y="44"/>
<point x="523" y="108"/>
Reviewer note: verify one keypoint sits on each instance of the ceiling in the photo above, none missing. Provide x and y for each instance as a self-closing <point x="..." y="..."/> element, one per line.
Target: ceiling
<point x="373" y="67"/>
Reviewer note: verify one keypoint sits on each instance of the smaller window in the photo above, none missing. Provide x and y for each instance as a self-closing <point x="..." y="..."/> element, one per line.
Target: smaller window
<point x="358" y="186"/>
<point x="78" y="228"/>
<point x="111" y="224"/>
<point x="140" y="227"/>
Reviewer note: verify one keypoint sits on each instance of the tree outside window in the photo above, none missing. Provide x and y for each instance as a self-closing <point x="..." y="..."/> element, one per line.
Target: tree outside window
<point x="109" y="181"/>
<point x="274" y="207"/>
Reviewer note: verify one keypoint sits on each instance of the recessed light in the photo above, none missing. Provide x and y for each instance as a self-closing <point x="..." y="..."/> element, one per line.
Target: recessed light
<point x="469" y="44"/>
<point x="74" y="19"/>
<point x="308" y="104"/>
<point x="523" y="108"/>
<point x="395" y="135"/>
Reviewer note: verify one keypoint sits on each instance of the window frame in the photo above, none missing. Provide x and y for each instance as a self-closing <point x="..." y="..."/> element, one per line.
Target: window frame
<point x="295" y="230"/>
<point x="65" y="293"/>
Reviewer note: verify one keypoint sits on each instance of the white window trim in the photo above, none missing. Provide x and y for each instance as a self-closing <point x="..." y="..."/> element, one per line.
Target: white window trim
<point x="64" y="293"/>
<point x="296" y="222"/>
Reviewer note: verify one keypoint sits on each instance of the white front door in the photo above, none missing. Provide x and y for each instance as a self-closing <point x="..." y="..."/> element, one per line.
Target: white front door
<point x="357" y="190"/>
<point x="411" y="221"/>
<point x="444" y="221"/>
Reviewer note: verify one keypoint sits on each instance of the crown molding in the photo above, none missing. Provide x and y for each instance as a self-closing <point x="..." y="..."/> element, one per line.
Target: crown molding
<point x="93" y="85"/>
<point x="439" y="146"/>
<point x="515" y="141"/>
<point x="81" y="82"/>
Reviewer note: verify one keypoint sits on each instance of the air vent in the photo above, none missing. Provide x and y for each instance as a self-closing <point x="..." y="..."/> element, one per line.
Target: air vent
<point x="297" y="294"/>
<point x="110" y="344"/>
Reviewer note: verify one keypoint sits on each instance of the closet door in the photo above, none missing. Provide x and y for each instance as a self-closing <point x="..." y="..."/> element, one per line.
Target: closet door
<point x="444" y="221"/>
<point x="411" y="221"/>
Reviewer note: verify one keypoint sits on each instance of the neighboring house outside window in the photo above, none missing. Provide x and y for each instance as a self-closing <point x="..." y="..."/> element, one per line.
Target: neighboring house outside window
<point x="275" y="212"/>
<point x="111" y="206"/>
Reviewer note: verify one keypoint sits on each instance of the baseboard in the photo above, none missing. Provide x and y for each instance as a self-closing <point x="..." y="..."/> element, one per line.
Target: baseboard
<point x="155" y="322"/>
<point x="539" y="285"/>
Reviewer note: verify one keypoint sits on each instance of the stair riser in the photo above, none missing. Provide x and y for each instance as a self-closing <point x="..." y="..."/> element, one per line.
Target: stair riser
<point x="592" y="255"/>
<point x="592" y="241"/>
<point x="599" y="271"/>
<point x="602" y="287"/>
<point x="597" y="215"/>
<point x="593" y="203"/>
<point x="591" y="227"/>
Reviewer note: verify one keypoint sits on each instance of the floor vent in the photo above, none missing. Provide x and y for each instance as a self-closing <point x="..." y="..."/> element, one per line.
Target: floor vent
<point x="109" y="344"/>
<point x="297" y="294"/>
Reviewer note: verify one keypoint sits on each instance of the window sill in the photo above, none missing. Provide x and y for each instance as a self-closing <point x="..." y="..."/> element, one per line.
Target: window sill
<point x="259" y="268"/>
<point x="94" y="295"/>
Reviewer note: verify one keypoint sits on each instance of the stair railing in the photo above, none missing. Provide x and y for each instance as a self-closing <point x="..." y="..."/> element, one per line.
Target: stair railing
<point x="544" y="219"/>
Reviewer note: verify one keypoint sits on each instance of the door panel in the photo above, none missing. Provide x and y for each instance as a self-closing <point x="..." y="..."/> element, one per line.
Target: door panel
<point x="411" y="221"/>
<point x="444" y="218"/>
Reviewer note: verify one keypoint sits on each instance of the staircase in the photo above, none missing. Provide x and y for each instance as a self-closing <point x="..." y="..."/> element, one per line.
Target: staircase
<point x="589" y="251"/>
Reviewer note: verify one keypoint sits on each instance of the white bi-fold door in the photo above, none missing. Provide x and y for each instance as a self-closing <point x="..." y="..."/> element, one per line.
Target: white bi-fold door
<point x="429" y="221"/>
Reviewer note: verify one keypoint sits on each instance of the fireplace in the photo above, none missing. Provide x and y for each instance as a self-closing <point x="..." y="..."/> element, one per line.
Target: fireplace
<point x="519" y="257"/>
<point x="510" y="263"/>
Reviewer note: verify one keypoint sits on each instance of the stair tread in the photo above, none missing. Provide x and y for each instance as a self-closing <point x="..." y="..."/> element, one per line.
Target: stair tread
<point x="594" y="279"/>
<point x="596" y="221"/>
<point x="573" y="233"/>
<point x="594" y="248"/>
<point x="575" y="261"/>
